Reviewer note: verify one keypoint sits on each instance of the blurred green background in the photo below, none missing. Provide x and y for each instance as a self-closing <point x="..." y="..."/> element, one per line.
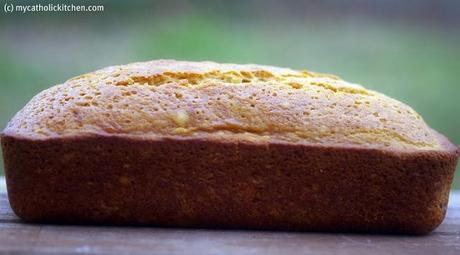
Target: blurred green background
<point x="409" y="50"/>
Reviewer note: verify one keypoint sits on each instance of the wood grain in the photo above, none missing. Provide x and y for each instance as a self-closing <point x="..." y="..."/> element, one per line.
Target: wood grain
<point x="21" y="238"/>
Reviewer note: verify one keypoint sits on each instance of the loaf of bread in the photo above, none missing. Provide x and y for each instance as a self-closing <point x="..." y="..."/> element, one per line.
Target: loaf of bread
<point x="201" y="144"/>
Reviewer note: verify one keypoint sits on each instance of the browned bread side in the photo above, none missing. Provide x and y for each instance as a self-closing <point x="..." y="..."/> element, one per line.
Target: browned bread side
<point x="189" y="144"/>
<point x="199" y="183"/>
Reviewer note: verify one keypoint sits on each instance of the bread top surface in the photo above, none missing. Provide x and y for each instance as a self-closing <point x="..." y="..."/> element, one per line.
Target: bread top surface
<point x="207" y="100"/>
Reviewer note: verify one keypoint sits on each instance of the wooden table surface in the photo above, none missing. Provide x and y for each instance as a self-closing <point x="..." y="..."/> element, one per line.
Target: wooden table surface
<point x="17" y="237"/>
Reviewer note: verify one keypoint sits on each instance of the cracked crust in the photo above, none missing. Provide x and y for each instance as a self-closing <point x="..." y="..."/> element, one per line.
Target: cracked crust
<point x="222" y="101"/>
<point x="186" y="144"/>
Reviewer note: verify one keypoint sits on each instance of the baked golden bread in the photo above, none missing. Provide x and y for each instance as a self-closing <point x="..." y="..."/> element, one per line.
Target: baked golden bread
<point x="201" y="144"/>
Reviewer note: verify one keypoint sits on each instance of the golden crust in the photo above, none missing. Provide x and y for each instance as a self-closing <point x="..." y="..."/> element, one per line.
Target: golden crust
<point x="254" y="103"/>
